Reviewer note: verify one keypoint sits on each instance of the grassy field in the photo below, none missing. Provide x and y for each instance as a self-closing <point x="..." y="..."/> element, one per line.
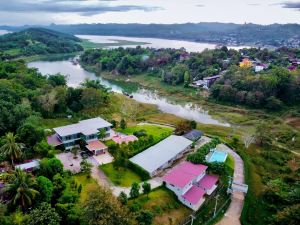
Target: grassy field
<point x="86" y="183"/>
<point x="156" y="131"/>
<point x="123" y="177"/>
<point x="230" y="162"/>
<point x="51" y="123"/>
<point x="164" y="205"/>
<point x="86" y="44"/>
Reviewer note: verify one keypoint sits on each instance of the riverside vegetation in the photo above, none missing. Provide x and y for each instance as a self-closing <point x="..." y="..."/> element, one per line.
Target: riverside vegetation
<point x="30" y="103"/>
<point x="260" y="106"/>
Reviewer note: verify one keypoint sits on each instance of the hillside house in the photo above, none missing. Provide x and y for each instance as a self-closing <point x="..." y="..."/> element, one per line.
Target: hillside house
<point x="87" y="130"/>
<point x="207" y="82"/>
<point x="190" y="183"/>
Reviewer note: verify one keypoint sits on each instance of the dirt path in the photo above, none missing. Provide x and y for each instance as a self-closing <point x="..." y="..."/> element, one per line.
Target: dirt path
<point x="233" y="213"/>
<point x="98" y="174"/>
<point x="157" y="124"/>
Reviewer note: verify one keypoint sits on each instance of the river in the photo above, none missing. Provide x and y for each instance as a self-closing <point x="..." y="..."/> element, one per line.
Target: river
<point x="76" y="75"/>
<point x="189" y="46"/>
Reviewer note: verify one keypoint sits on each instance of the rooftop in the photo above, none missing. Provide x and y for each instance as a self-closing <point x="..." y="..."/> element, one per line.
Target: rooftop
<point x="95" y="145"/>
<point x="212" y="77"/>
<point x="208" y="181"/>
<point x="194" y="194"/>
<point x="120" y="138"/>
<point x="53" y="140"/>
<point x="86" y="127"/>
<point x="193" y="135"/>
<point x="156" y="156"/>
<point x="184" y="173"/>
<point x="33" y="164"/>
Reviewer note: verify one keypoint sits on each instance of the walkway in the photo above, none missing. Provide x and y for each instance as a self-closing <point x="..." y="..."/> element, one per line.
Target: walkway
<point x="233" y="214"/>
<point x="98" y="174"/>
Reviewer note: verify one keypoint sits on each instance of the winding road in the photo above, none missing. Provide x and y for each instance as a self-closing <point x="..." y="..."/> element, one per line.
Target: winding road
<point x="233" y="213"/>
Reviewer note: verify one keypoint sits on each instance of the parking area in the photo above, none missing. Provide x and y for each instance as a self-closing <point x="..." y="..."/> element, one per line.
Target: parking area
<point x="103" y="158"/>
<point x="67" y="159"/>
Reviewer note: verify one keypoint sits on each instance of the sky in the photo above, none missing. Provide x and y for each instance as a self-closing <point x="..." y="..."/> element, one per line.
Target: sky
<point x="43" y="12"/>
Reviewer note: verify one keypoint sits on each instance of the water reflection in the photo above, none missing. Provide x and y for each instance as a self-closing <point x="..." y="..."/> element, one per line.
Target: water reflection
<point x="76" y="75"/>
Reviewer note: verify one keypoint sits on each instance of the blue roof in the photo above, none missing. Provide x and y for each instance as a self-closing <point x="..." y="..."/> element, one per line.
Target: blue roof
<point x="193" y="135"/>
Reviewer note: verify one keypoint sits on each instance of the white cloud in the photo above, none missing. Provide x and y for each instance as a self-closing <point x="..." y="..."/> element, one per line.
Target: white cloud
<point x="19" y="12"/>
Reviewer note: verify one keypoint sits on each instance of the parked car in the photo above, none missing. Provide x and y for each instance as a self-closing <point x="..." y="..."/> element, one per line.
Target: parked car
<point x="84" y="155"/>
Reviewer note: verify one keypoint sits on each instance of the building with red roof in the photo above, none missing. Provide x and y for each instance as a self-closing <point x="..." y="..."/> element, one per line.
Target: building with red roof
<point x="190" y="183"/>
<point x="123" y="138"/>
<point x="96" y="147"/>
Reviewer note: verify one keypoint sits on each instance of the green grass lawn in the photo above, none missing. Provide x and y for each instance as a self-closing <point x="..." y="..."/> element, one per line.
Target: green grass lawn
<point x="164" y="205"/>
<point x="230" y="162"/>
<point x="86" y="44"/>
<point x="87" y="183"/>
<point x="51" y="123"/>
<point x="156" y="131"/>
<point x="123" y="177"/>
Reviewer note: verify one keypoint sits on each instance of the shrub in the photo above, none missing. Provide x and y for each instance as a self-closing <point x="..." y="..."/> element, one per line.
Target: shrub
<point x="139" y="170"/>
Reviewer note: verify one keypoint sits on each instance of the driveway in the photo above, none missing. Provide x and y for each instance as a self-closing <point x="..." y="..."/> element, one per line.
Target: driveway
<point x="104" y="158"/>
<point x="233" y="213"/>
<point x="67" y="159"/>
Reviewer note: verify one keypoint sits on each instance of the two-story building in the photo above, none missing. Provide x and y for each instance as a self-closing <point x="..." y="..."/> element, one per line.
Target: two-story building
<point x="86" y="130"/>
<point x="190" y="183"/>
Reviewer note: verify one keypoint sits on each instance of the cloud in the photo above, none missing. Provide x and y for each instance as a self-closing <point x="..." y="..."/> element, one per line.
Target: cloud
<point x="254" y="4"/>
<point x="291" y="5"/>
<point x="69" y="6"/>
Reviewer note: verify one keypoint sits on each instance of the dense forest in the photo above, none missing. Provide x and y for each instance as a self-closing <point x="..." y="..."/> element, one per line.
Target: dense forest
<point x="220" y="33"/>
<point x="49" y="195"/>
<point x="271" y="88"/>
<point x="37" y="41"/>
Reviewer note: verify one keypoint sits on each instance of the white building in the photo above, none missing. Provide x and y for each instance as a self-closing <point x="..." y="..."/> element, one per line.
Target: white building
<point x="163" y="154"/>
<point x="190" y="183"/>
<point x="86" y="129"/>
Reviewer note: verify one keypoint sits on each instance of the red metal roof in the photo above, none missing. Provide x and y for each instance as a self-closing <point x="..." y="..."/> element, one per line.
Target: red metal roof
<point x="208" y="181"/>
<point x="53" y="140"/>
<point x="96" y="145"/>
<point x="184" y="173"/>
<point x="194" y="194"/>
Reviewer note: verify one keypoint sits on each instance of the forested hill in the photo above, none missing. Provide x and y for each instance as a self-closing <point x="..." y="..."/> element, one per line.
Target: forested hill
<point x="276" y="35"/>
<point x="36" y="41"/>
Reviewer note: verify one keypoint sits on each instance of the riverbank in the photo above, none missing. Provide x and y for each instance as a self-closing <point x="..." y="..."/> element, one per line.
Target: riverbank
<point x="236" y="116"/>
<point x="261" y="164"/>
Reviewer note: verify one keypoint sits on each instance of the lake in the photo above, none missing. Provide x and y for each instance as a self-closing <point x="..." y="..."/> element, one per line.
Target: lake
<point x="153" y="43"/>
<point x="76" y="75"/>
<point x="4" y="32"/>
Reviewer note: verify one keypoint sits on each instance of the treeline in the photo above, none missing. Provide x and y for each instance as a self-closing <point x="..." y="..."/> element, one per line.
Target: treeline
<point x="271" y="89"/>
<point x="221" y="33"/>
<point x="48" y="195"/>
<point x="26" y="97"/>
<point x="171" y="65"/>
<point x="37" y="41"/>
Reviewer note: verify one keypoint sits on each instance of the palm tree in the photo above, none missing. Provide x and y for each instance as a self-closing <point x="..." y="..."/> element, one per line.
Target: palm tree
<point x="102" y="133"/>
<point x="11" y="148"/>
<point x="20" y="187"/>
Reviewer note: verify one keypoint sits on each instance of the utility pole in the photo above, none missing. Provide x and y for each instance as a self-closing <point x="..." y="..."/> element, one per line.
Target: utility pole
<point x="216" y="205"/>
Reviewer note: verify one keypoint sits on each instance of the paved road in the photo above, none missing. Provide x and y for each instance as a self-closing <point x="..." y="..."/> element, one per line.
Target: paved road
<point x="233" y="214"/>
